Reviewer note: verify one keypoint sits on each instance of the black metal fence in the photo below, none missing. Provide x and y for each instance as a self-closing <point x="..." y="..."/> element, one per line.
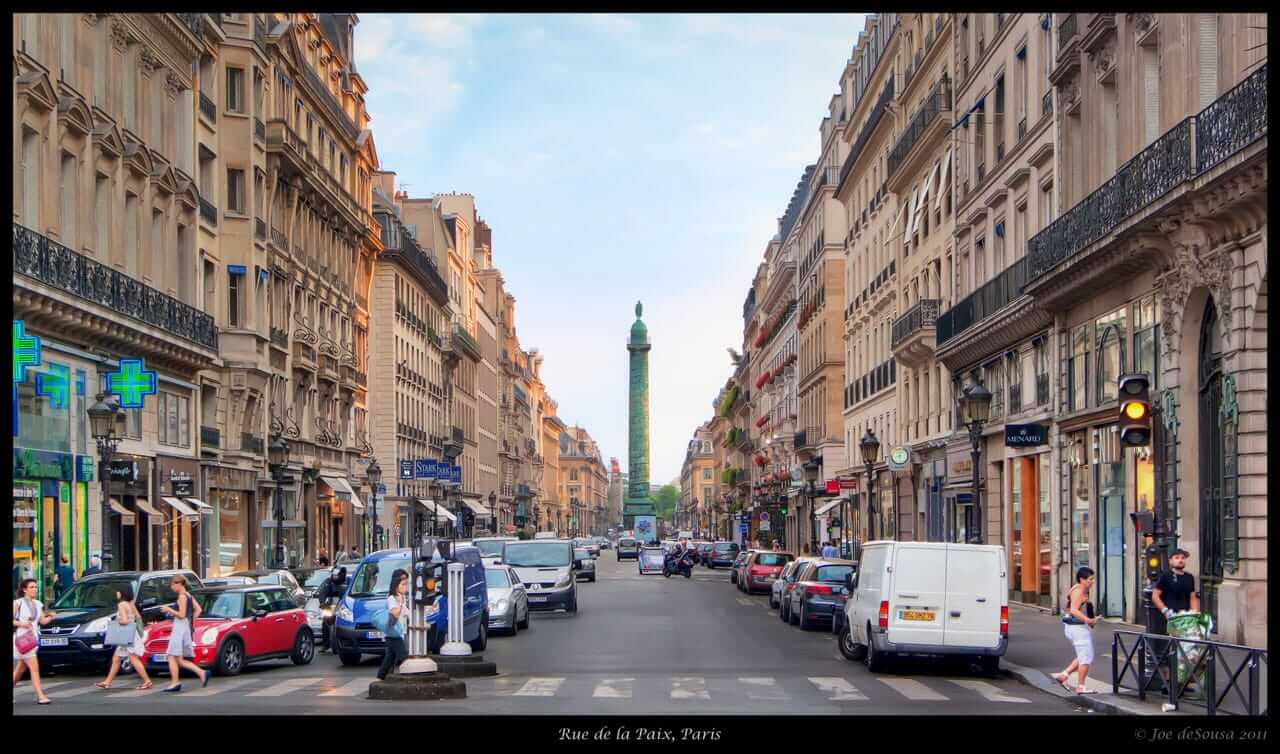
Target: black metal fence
<point x="938" y="102"/>
<point x="1224" y="678"/>
<point x="982" y="303"/>
<point x="923" y="314"/>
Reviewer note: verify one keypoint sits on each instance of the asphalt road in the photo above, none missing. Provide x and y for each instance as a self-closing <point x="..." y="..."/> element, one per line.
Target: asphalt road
<point x="638" y="645"/>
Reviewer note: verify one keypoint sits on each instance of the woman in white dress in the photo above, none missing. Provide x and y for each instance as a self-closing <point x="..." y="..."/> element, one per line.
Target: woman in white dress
<point x="181" y="645"/>
<point x="28" y="617"/>
<point x="126" y="615"/>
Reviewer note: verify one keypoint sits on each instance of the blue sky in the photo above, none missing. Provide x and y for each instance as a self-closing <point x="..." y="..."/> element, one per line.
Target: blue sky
<point x="616" y="158"/>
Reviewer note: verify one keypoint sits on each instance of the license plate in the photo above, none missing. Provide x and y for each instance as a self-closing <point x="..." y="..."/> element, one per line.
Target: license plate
<point x="159" y="658"/>
<point x="53" y="641"/>
<point x="374" y="635"/>
<point x="537" y="599"/>
<point x="924" y="615"/>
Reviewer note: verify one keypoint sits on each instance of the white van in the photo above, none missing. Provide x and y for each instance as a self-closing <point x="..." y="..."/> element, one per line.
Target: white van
<point x="927" y="598"/>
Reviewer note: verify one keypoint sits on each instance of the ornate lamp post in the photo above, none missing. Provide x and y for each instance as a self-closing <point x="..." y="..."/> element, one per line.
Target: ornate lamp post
<point x="102" y="425"/>
<point x="493" y="516"/>
<point x="870" y="448"/>
<point x="975" y="408"/>
<point x="374" y="474"/>
<point x="810" y="477"/>
<point x="278" y="456"/>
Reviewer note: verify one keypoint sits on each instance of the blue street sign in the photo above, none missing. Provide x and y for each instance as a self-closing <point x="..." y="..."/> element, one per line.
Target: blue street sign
<point x="382" y="489"/>
<point x="434" y="469"/>
<point x="455" y="475"/>
<point x="406" y="469"/>
<point x="422" y="469"/>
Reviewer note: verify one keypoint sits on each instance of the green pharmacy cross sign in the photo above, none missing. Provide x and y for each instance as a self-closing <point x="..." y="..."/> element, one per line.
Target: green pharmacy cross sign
<point x="26" y="351"/>
<point x="53" y="385"/>
<point x="132" y="383"/>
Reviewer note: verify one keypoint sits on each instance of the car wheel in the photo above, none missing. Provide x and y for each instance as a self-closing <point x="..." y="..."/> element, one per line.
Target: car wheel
<point x="349" y="659"/>
<point x="304" y="647"/>
<point x="784" y="613"/>
<point x="851" y="650"/>
<point x="230" y="658"/>
<point x="804" y="617"/>
<point x="593" y="578"/>
<point x="482" y="640"/>
<point x="773" y="604"/>
<point x="793" y="616"/>
<point x="524" y="623"/>
<point x="573" y="605"/>
<point x="874" y="658"/>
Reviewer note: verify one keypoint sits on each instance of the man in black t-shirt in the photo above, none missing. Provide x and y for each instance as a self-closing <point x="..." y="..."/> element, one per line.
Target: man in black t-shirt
<point x="1175" y="592"/>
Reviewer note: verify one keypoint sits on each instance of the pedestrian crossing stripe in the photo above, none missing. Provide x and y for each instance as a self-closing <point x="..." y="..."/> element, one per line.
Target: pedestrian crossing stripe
<point x="540" y="687"/>
<point x="613" y="688"/>
<point x="839" y="689"/>
<point x="913" y="689"/>
<point x="285" y="687"/>
<point x="989" y="691"/>
<point x="354" y="688"/>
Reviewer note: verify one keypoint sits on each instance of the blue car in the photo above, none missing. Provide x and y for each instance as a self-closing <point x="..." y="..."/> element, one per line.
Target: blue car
<point x="369" y="588"/>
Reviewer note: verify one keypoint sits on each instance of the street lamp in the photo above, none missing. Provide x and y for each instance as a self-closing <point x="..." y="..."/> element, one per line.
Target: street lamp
<point x="278" y="456"/>
<point x="102" y="425"/>
<point x="870" y="448"/>
<point x="493" y="516"/>
<point x="811" y="476"/>
<point x="975" y="407"/>
<point x="374" y="474"/>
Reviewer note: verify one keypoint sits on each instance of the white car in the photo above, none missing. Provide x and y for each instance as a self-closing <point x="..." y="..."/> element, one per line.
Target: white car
<point x="787" y="576"/>
<point x="928" y="599"/>
<point x="508" y="600"/>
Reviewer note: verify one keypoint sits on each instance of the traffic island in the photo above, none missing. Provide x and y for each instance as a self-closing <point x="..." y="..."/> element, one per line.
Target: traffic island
<point x="465" y="666"/>
<point x="418" y="687"/>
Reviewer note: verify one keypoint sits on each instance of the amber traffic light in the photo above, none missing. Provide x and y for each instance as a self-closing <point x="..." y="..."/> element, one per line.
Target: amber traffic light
<point x="1135" y="409"/>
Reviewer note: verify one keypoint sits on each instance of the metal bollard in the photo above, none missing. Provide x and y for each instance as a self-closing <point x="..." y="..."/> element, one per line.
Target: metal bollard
<point x="456" y="647"/>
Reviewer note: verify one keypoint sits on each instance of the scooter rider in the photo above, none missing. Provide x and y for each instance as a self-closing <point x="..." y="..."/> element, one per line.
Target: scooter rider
<point x="328" y="595"/>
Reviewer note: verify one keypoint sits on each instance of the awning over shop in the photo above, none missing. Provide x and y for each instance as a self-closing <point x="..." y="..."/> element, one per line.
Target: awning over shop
<point x="146" y="508"/>
<point x="476" y="508"/>
<point x="118" y="508"/>
<point x="827" y="507"/>
<point x="270" y="523"/>
<point x="179" y="506"/>
<point x="440" y="510"/>
<point x="200" y="505"/>
<point x="342" y="489"/>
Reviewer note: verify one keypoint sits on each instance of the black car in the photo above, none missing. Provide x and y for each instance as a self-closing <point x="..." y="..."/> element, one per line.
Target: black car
<point x="723" y="554"/>
<point x="815" y="596"/>
<point x="74" y="637"/>
<point x="628" y="548"/>
<point x="279" y="578"/>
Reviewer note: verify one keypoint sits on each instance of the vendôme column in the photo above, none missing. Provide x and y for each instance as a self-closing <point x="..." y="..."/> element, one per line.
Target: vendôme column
<point x="638" y="513"/>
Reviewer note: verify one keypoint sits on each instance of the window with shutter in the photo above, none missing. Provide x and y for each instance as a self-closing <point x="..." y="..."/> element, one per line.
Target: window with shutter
<point x="1208" y="33"/>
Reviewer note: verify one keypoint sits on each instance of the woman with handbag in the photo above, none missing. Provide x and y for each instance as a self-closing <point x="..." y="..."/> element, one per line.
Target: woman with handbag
<point x="28" y="617"/>
<point x="125" y="634"/>
<point x="181" y="644"/>
<point x="1077" y="625"/>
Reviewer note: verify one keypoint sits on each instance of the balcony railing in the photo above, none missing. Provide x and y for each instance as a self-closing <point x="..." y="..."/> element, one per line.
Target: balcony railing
<point x="864" y="135"/>
<point x="250" y="442"/>
<point x="1015" y="397"/>
<point x="207" y="108"/>
<point x="208" y="212"/>
<point x="49" y="262"/>
<point x="1066" y="30"/>
<point x="456" y="434"/>
<point x="277" y="238"/>
<point x="210" y="437"/>
<point x="1042" y="389"/>
<point x="259" y="130"/>
<point x="1022" y="129"/>
<point x="982" y="303"/>
<point x="1233" y="121"/>
<point x="260" y="32"/>
<point x="193" y="21"/>
<point x="280" y="337"/>
<point x="468" y="342"/>
<point x="259" y="229"/>
<point x="923" y="314"/>
<point x="938" y="102"/>
<point x="1046" y="103"/>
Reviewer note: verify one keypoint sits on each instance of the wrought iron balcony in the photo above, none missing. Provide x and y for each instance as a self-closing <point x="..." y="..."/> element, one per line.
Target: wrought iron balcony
<point x="49" y="262"/>
<point x="207" y="108"/>
<point x="982" y="303"/>
<point x="210" y="437"/>
<point x="864" y="135"/>
<point x="251" y="443"/>
<point x="938" y="102"/>
<point x="1067" y="29"/>
<point x="468" y="343"/>
<point x="456" y="434"/>
<point x="277" y="238"/>
<point x="280" y="337"/>
<point x="1233" y="121"/>
<point x="1042" y="389"/>
<point x="1022" y="130"/>
<point x="259" y="130"/>
<point x="1015" y="397"/>
<point x="924" y="315"/>
<point x="260" y="32"/>
<point x="208" y="212"/>
<point x="193" y="21"/>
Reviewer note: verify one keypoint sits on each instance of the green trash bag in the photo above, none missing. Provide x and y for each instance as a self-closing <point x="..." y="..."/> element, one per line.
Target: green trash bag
<point x="1191" y="626"/>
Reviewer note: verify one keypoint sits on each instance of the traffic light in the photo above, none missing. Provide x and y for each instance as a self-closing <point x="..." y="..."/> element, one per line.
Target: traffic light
<point x="469" y="516"/>
<point x="783" y="509"/>
<point x="1135" y="409"/>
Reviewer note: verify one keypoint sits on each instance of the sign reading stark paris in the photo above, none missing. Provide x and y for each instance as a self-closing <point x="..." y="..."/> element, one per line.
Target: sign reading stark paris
<point x="131" y="383"/>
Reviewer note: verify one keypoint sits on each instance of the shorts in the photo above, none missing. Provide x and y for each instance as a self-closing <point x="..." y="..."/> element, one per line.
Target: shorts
<point x="1081" y="638"/>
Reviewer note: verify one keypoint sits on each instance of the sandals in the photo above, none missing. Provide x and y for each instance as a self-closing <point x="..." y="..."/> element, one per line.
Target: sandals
<point x="1061" y="678"/>
<point x="102" y="685"/>
<point x="1082" y="690"/>
<point x="46" y="700"/>
<point x="145" y="686"/>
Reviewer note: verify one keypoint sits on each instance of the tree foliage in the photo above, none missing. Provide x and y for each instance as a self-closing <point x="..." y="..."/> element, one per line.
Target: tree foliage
<point x="666" y="500"/>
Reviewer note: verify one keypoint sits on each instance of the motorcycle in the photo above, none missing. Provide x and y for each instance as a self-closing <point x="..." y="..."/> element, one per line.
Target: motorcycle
<point x="684" y="566"/>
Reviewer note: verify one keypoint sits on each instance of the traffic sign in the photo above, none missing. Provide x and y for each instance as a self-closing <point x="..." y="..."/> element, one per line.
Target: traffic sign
<point x="406" y="469"/>
<point x="764" y="517"/>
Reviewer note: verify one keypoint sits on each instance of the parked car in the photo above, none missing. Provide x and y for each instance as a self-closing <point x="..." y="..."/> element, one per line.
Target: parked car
<point x="588" y="544"/>
<point x="508" y="599"/>
<point x="546" y="535"/>
<point x="371" y="583"/>
<point x="736" y="565"/>
<point x="628" y="548"/>
<point x="313" y="581"/>
<point x="723" y="554"/>
<point x="788" y="584"/>
<point x="651" y="559"/>
<point x="303" y="575"/>
<point x="546" y="567"/>
<point x="239" y="625"/>
<point x="604" y="543"/>
<point x="813" y="596"/>
<point x="763" y="569"/>
<point x="491" y="548"/>
<point x="230" y="581"/>
<point x="74" y="637"/>
<point x="787" y="576"/>
<point x="927" y="599"/>
<point x="704" y="553"/>
<point x="279" y="577"/>
<point x="586" y="565"/>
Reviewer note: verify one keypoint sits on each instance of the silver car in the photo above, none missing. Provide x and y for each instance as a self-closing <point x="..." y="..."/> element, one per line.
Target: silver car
<point x="508" y="601"/>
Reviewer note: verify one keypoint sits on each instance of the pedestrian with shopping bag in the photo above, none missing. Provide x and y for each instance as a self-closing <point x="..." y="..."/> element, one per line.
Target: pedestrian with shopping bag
<point x="394" y="622"/>
<point x="1077" y="625"/>
<point x="28" y="616"/>
<point x="1175" y="596"/>
<point x="125" y="633"/>
<point x="181" y="644"/>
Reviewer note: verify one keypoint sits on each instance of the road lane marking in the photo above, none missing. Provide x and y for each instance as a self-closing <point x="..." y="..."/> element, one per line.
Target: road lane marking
<point x="217" y="686"/>
<point x="351" y="688"/>
<point x="613" y="688"/>
<point x="989" y="691"/>
<point x="747" y="601"/>
<point x="134" y="693"/>
<point x="77" y="691"/>
<point x="763" y="688"/>
<point x="27" y="688"/>
<point x="286" y="687"/>
<point x="540" y="687"/>
<point x="839" y="688"/>
<point x="689" y="688"/>
<point x="912" y="689"/>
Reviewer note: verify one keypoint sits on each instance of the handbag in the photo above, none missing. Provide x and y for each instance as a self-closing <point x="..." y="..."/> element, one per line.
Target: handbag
<point x="120" y="634"/>
<point x="26" y="642"/>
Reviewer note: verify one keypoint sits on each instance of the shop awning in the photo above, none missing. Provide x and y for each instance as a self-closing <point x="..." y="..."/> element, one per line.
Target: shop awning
<point x="146" y="508"/>
<point x="270" y="523"/>
<point x="344" y="491"/>
<point x="827" y="507"/>
<point x="118" y="508"/>
<point x="200" y="505"/>
<point x="440" y="510"/>
<point x="179" y="506"/>
<point x="476" y="508"/>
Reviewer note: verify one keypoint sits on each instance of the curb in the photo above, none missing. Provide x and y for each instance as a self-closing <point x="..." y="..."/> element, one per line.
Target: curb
<point x="1039" y="680"/>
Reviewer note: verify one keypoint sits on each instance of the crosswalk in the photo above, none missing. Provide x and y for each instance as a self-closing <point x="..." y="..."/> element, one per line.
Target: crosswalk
<point x="687" y="689"/>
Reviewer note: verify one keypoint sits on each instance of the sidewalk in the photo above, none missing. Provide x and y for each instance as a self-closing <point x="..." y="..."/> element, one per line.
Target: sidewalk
<point x="1038" y="649"/>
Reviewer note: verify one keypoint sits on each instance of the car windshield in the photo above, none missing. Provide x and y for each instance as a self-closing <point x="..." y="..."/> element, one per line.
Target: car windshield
<point x="490" y="547"/>
<point x="626" y="543"/>
<point x="724" y="547"/>
<point x="772" y="559"/>
<point x="581" y="554"/>
<point x="316" y="579"/>
<point x="91" y="594"/>
<point x="373" y="579"/>
<point x="221" y="604"/>
<point x="832" y="573"/>
<point x="269" y="578"/>
<point x="537" y="554"/>
<point x="496" y="578"/>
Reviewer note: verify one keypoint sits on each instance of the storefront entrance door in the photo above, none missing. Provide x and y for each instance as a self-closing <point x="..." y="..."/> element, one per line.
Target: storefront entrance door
<point x="1111" y="519"/>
